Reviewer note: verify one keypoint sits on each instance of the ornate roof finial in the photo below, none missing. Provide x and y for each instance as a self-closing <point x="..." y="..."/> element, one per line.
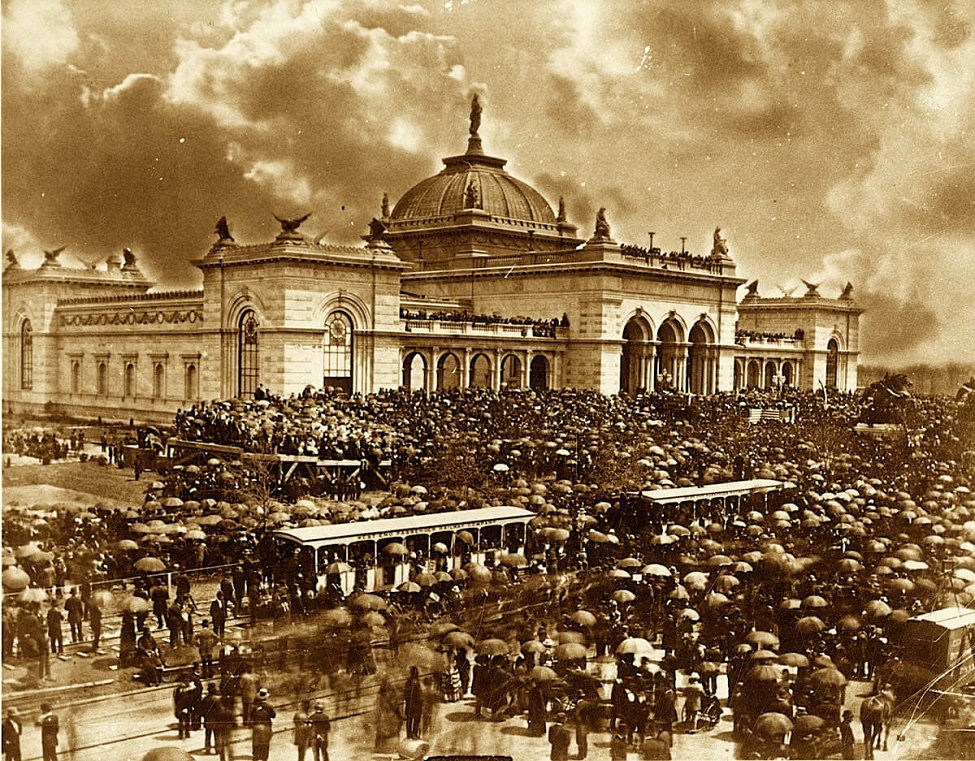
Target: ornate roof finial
<point x="385" y="207"/>
<point x="847" y="291"/>
<point x="291" y="225"/>
<point x="51" y="257"/>
<point x="561" y="216"/>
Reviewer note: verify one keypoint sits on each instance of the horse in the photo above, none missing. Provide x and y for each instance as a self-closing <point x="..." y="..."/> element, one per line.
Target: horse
<point x="876" y="713"/>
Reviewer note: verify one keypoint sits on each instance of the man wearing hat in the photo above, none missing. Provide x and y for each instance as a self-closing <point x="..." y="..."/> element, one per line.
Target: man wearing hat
<point x="12" y="730"/>
<point x="559" y="738"/>
<point x="321" y="726"/>
<point x="261" y="716"/>
<point x="48" y="722"/>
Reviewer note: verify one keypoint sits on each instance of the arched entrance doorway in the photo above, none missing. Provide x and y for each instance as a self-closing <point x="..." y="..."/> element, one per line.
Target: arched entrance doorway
<point x="337" y="370"/>
<point x="415" y="372"/>
<point x="788" y="374"/>
<point x="832" y="361"/>
<point x="637" y="352"/>
<point x="511" y="371"/>
<point x="448" y="372"/>
<point x="480" y="372"/>
<point x="754" y="375"/>
<point x="700" y="362"/>
<point x="739" y="374"/>
<point x="538" y="373"/>
<point x="670" y="370"/>
<point x="771" y="371"/>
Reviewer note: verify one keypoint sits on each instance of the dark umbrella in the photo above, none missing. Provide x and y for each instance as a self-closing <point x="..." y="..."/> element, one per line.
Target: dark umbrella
<point x="810" y="625"/>
<point x="772" y="725"/>
<point x="492" y="647"/>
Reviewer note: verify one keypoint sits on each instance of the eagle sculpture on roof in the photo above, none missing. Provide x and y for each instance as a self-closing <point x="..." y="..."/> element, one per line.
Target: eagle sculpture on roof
<point x="290" y="225"/>
<point x="811" y="288"/>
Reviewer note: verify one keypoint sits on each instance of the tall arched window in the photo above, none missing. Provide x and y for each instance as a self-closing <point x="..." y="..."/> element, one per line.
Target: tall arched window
<point x="191" y="383"/>
<point x="248" y="367"/>
<point x="832" y="355"/>
<point x="129" y="379"/>
<point x="101" y="379"/>
<point x="158" y="380"/>
<point x="75" y="377"/>
<point x="26" y="355"/>
<point x="337" y="352"/>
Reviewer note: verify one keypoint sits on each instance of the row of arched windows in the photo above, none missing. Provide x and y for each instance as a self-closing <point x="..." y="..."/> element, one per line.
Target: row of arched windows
<point x="449" y="372"/>
<point x="191" y="385"/>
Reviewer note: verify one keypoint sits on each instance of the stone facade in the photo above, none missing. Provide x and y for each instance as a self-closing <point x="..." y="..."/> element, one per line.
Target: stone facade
<point x="471" y="280"/>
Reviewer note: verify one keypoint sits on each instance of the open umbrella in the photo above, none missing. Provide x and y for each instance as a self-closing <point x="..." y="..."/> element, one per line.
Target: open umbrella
<point x="657" y="570"/>
<point x="134" y="604"/>
<point x="533" y="646"/>
<point x="513" y="560"/>
<point x="409" y="586"/>
<point x="810" y="625"/>
<point x="372" y="618"/>
<point x="458" y="640"/>
<point x="102" y="598"/>
<point x="808" y="724"/>
<point x="634" y="646"/>
<point x="396" y="548"/>
<point x="566" y="637"/>
<point x="542" y="674"/>
<point x="772" y="725"/>
<point x="583" y="618"/>
<point x="368" y="602"/>
<point x="149" y="565"/>
<point x="168" y="753"/>
<point x="623" y="596"/>
<point x="425" y="659"/>
<point x="571" y="651"/>
<point x="15" y="579"/>
<point x="796" y="660"/>
<point x="815" y="601"/>
<point x="492" y="647"/>
<point x="877" y="609"/>
<point x="337" y="567"/>
<point x="762" y="673"/>
<point x="827" y="677"/>
<point x="762" y="639"/>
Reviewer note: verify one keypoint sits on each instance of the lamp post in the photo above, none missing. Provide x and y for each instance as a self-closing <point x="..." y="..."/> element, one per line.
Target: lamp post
<point x="651" y="234"/>
<point x="683" y="240"/>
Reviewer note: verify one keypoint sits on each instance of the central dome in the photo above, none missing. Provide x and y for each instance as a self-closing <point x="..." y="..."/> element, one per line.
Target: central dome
<point x="473" y="181"/>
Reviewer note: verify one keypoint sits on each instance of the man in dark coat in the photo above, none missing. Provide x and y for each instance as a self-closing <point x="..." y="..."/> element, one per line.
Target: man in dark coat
<point x="321" y="725"/>
<point x="12" y="730"/>
<point x="210" y="713"/>
<point x="413" y="698"/>
<point x="218" y="614"/>
<point x="54" y="632"/>
<point x="261" y="716"/>
<point x="559" y="738"/>
<point x="48" y="722"/>
<point x="75" y="610"/>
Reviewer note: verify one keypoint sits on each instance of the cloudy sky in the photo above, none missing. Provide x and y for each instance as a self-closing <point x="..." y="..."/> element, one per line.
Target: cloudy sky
<point x="832" y="140"/>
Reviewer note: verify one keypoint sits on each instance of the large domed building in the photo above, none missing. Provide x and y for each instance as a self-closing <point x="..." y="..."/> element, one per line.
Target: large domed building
<point x="471" y="279"/>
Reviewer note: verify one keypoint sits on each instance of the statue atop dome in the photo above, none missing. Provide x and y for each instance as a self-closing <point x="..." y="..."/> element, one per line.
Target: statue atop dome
<point x="384" y="211"/>
<point x="560" y="218"/>
<point x="475" y="115"/>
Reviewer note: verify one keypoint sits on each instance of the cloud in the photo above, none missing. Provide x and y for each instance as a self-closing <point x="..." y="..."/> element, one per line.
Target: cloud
<point x="40" y="34"/>
<point x="830" y="138"/>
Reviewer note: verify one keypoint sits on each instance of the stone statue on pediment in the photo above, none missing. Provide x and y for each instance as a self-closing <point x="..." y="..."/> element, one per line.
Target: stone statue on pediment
<point x="720" y="244"/>
<point x="12" y="258"/>
<point x="291" y="225"/>
<point x="128" y="258"/>
<point x="847" y="291"/>
<point x="385" y="206"/>
<point x="602" y="231"/>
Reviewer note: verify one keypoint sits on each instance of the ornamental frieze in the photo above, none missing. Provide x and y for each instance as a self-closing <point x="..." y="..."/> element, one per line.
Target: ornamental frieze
<point x="157" y="317"/>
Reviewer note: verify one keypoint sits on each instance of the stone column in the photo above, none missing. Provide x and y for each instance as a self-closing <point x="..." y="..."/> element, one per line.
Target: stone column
<point x="651" y="381"/>
<point x="465" y="371"/>
<point x="526" y="370"/>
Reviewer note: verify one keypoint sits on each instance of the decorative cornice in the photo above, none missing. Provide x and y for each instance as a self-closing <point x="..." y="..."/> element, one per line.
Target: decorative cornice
<point x="147" y="317"/>
<point x="158" y="296"/>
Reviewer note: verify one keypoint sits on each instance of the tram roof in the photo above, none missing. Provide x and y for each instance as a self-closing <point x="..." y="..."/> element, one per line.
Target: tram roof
<point x="711" y="491"/>
<point x="948" y="618"/>
<point x="344" y="533"/>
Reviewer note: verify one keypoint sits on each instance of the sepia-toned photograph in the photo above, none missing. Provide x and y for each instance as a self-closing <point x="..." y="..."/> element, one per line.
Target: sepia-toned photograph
<point x="488" y="380"/>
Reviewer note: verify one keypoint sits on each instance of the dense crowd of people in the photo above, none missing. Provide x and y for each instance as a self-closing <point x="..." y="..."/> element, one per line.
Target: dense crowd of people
<point x="786" y="600"/>
<point x="755" y="335"/>
<point x="540" y="328"/>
